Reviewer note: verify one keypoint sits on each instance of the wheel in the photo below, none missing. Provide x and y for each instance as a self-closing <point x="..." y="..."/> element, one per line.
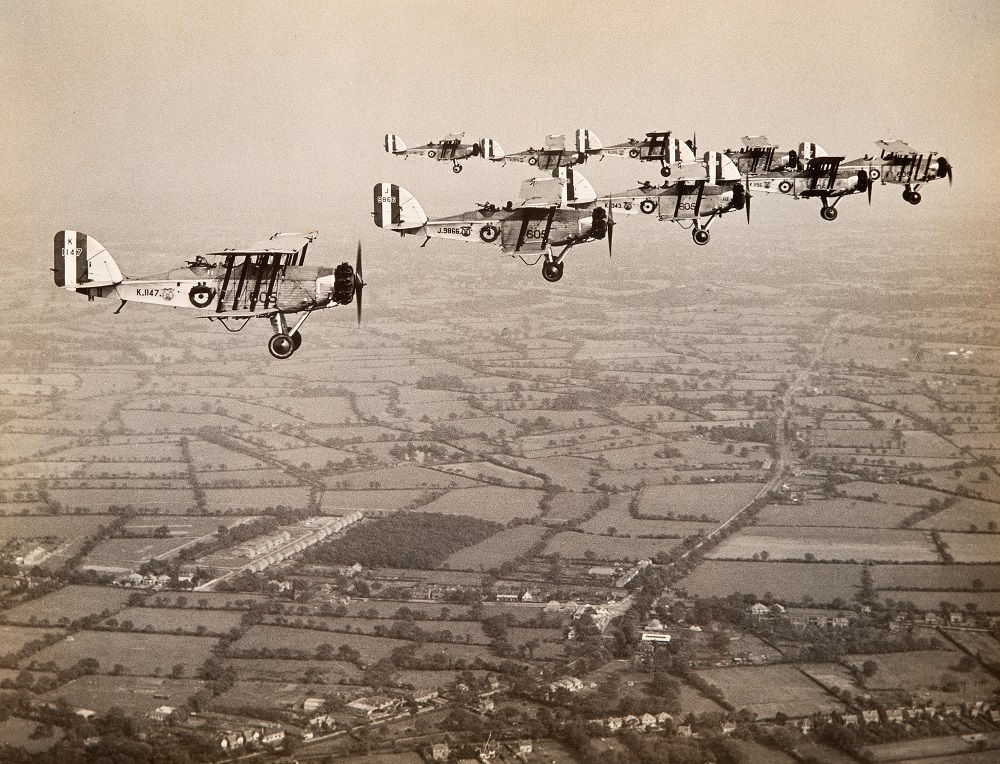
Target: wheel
<point x="665" y="172"/>
<point x="906" y="194"/>
<point x="634" y="153"/>
<point x="647" y="206"/>
<point x="296" y="341"/>
<point x="456" y="168"/>
<point x="828" y="213"/>
<point x="281" y="346"/>
<point x="489" y="233"/>
<point x="700" y="236"/>
<point x="552" y="271"/>
<point x="914" y="197"/>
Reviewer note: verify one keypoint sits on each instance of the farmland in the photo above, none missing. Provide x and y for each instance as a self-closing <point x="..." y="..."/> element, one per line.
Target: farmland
<point x="768" y="690"/>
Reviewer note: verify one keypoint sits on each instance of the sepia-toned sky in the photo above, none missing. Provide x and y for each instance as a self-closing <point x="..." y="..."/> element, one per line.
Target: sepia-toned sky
<point x="124" y="116"/>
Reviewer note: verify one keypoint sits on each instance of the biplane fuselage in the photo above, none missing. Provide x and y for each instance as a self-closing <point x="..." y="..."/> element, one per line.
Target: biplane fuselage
<point x="524" y="229"/>
<point x="673" y="155"/>
<point x="268" y="281"/>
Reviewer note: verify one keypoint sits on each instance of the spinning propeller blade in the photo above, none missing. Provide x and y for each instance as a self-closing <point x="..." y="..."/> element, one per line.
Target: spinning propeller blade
<point x="870" y="186"/>
<point x="749" y="196"/>
<point x="359" y="282"/>
<point x="944" y="164"/>
<point x="611" y="224"/>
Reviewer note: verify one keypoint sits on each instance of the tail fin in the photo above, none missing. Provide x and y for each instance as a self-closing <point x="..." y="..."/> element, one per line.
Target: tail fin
<point x="809" y="151"/>
<point x="396" y="209"/>
<point x="577" y="190"/>
<point x="490" y="149"/>
<point x="81" y="262"/>
<point x="587" y="142"/>
<point x="394" y="144"/>
<point x="720" y="167"/>
<point x="683" y="151"/>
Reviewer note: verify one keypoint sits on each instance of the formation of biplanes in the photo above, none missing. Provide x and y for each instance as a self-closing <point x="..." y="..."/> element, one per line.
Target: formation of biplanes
<point x="554" y="213"/>
<point x="560" y="210"/>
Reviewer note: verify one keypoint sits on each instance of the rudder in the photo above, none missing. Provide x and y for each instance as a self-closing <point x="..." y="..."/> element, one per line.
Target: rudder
<point x="81" y="262"/>
<point x="396" y="209"/>
<point x="394" y="144"/>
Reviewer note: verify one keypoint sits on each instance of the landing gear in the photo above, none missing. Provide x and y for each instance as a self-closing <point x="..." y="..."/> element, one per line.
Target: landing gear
<point x="665" y="171"/>
<point x="829" y="211"/>
<point x="456" y="168"/>
<point x="281" y="346"/>
<point x="701" y="236"/>
<point x="552" y="271"/>
<point x="912" y="195"/>
<point x="285" y="340"/>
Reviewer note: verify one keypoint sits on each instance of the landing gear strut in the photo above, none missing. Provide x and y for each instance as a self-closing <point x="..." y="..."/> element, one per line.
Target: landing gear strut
<point x="829" y="211"/>
<point x="552" y="270"/>
<point x="285" y="340"/>
<point x="911" y="195"/>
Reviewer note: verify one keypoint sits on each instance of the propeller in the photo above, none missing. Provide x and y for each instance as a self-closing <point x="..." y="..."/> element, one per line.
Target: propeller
<point x="359" y="282"/>
<point x="868" y="181"/>
<point x="611" y="224"/>
<point x="944" y="169"/>
<point x="748" y="195"/>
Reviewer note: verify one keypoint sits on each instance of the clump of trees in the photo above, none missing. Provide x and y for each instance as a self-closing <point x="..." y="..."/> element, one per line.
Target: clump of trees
<point x="420" y="540"/>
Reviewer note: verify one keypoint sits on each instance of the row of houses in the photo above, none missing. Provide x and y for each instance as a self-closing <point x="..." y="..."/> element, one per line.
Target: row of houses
<point x="233" y="739"/>
<point x="317" y="529"/>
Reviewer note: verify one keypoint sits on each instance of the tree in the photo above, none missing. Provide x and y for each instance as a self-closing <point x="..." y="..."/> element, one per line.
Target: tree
<point x="869" y="668"/>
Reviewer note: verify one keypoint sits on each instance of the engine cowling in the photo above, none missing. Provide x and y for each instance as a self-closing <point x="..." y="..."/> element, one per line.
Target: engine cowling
<point x="343" y="284"/>
<point x="599" y="223"/>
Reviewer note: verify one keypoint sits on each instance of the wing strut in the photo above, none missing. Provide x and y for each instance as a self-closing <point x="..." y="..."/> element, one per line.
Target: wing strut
<point x="221" y="306"/>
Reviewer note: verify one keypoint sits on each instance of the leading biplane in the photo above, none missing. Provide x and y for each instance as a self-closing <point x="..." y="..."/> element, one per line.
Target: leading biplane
<point x="269" y="280"/>
<point x="553" y="155"/>
<point x="448" y="149"/>
<point x="554" y="211"/>
<point x="902" y="165"/>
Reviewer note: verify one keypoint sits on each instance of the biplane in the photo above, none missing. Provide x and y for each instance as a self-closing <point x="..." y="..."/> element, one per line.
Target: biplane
<point x="674" y="155"/>
<point x="718" y="191"/>
<point x="809" y="173"/>
<point x="553" y="212"/>
<point x="269" y="280"/>
<point x="552" y="156"/>
<point x="448" y="149"/>
<point x="759" y="155"/>
<point x="901" y="165"/>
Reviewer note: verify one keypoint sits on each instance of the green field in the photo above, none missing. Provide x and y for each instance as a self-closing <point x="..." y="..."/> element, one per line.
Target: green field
<point x="767" y="690"/>
<point x="833" y="544"/>
<point x="67" y="604"/>
<point x="140" y="654"/>
<point x="788" y="581"/>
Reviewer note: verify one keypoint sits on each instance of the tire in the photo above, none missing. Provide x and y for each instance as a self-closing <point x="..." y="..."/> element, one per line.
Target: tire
<point x="489" y="233"/>
<point x="914" y="197"/>
<point x="634" y="153"/>
<point x="647" y="206"/>
<point x="281" y="346"/>
<point x="296" y="341"/>
<point x="552" y="272"/>
<point x="456" y="168"/>
<point x="665" y="172"/>
<point x="201" y="296"/>
<point x="700" y="236"/>
<point x="828" y="213"/>
<point x="785" y="186"/>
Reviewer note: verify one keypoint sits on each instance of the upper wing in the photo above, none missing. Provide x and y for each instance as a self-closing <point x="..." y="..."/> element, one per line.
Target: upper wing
<point x="895" y="146"/>
<point x="542" y="192"/>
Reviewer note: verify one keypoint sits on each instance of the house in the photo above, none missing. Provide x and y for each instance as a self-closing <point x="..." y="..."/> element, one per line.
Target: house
<point x="322" y="720"/>
<point x="373" y="704"/>
<point x="806" y="725"/>
<point x="850" y="720"/>
<point x="631" y="721"/>
<point x="870" y="717"/>
<point x="311" y="705"/>
<point x="525" y="747"/>
<point x="684" y="730"/>
<point x="161" y="714"/>
<point x="759" y="609"/>
<point x="729" y="728"/>
<point x="86" y="713"/>
<point x="955" y="618"/>
<point x="894" y="715"/>
<point x="952" y="710"/>
<point x="648" y="721"/>
<point x="615" y="723"/>
<point x="231" y="740"/>
<point x="440" y="752"/>
<point x="272" y="736"/>
<point x="663" y="717"/>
